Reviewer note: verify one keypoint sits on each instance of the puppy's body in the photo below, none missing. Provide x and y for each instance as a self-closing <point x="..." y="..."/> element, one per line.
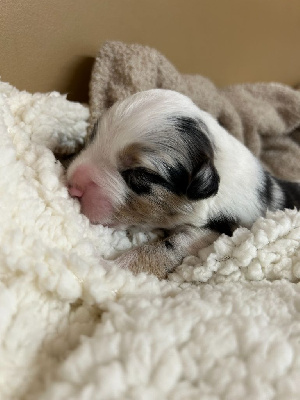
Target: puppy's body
<point x="155" y="160"/>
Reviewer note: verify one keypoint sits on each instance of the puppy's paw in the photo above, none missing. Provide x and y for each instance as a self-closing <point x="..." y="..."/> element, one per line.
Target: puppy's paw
<point x="163" y="256"/>
<point x="156" y="259"/>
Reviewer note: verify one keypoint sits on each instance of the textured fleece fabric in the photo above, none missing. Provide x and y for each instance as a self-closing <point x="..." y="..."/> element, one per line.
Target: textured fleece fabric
<point x="226" y="325"/>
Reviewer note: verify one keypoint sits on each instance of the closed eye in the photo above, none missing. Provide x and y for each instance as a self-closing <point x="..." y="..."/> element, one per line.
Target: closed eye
<point x="141" y="179"/>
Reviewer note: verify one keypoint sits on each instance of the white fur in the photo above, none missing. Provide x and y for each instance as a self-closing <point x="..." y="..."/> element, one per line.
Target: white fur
<point x="240" y="175"/>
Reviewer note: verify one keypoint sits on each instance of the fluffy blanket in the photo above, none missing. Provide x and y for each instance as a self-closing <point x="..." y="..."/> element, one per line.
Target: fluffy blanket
<point x="226" y="325"/>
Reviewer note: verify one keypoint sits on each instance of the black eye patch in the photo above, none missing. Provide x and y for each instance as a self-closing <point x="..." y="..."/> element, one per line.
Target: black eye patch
<point x="140" y="180"/>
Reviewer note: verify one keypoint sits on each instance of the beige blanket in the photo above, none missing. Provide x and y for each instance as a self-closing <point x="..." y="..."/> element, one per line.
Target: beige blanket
<point x="264" y="116"/>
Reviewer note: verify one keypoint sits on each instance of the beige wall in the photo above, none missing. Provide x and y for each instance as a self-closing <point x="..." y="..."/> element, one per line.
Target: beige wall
<point x="50" y="44"/>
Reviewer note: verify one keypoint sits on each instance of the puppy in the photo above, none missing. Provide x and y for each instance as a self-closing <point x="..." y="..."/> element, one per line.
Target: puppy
<point x="155" y="160"/>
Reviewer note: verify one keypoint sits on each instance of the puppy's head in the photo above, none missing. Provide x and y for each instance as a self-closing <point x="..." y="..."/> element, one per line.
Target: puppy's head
<point x="147" y="161"/>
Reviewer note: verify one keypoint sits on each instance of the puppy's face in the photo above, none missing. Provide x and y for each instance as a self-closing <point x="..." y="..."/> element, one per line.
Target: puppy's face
<point x="147" y="161"/>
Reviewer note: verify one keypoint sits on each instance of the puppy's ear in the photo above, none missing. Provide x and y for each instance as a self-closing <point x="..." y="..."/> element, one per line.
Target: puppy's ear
<point x="204" y="178"/>
<point x="204" y="183"/>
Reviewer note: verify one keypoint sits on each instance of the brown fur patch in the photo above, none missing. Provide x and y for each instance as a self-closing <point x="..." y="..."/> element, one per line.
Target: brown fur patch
<point x="133" y="156"/>
<point x="159" y="209"/>
<point x="130" y="156"/>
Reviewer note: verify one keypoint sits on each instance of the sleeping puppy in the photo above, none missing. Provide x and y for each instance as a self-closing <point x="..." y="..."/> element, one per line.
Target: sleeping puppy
<point x="155" y="160"/>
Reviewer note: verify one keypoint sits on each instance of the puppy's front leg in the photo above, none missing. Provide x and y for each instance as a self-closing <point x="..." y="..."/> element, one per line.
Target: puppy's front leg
<point x="161" y="257"/>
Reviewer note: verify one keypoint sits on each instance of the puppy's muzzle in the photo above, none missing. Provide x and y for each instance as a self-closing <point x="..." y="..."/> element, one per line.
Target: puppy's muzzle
<point x="95" y="204"/>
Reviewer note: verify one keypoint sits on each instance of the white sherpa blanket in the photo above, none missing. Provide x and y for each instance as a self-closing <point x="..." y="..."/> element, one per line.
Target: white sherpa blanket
<point x="73" y="326"/>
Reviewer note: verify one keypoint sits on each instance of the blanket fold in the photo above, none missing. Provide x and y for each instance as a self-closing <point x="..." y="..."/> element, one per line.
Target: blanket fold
<point x="264" y="116"/>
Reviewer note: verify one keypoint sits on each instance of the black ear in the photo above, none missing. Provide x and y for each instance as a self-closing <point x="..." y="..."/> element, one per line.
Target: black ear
<point x="204" y="183"/>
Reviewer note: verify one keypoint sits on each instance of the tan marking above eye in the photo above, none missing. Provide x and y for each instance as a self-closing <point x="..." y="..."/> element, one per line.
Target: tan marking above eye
<point x="134" y="155"/>
<point x="130" y="156"/>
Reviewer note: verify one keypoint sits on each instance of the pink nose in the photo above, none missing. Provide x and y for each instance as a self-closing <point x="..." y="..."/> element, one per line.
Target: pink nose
<point x="75" y="192"/>
<point x="80" y="180"/>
